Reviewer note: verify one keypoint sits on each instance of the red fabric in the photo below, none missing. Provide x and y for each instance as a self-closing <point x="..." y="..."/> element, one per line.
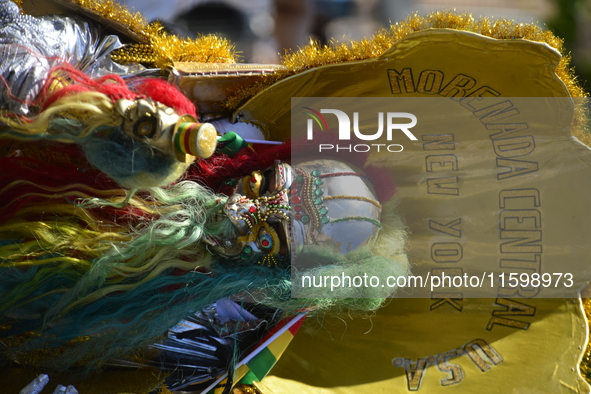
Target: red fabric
<point x="165" y="93"/>
<point x="111" y="85"/>
<point x="214" y="171"/>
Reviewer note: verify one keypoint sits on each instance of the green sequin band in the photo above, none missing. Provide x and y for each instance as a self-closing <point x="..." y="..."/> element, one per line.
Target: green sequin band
<point x="376" y="222"/>
<point x="312" y="196"/>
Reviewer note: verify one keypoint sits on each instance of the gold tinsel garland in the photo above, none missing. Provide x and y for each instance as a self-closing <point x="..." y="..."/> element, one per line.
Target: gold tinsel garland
<point x="164" y="49"/>
<point x="315" y="55"/>
<point x="159" y="49"/>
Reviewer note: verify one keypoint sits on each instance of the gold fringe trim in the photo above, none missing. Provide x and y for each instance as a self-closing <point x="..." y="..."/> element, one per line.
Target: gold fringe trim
<point x="114" y="11"/>
<point x="159" y="49"/>
<point x="316" y="55"/>
<point x="165" y="49"/>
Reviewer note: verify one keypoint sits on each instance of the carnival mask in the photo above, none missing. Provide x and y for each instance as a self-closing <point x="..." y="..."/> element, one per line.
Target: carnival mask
<point x="285" y="211"/>
<point x="260" y="214"/>
<point x="160" y="126"/>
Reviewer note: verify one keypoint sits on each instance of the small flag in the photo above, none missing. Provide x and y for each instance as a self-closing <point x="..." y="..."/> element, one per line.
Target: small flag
<point x="259" y="362"/>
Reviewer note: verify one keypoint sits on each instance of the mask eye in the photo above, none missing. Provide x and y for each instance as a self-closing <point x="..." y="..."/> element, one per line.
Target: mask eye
<point x="267" y="240"/>
<point x="145" y="126"/>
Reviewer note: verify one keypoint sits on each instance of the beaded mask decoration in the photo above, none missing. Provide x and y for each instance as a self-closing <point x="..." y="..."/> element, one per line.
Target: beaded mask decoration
<point x="334" y="207"/>
<point x="260" y="213"/>
<point x="284" y="211"/>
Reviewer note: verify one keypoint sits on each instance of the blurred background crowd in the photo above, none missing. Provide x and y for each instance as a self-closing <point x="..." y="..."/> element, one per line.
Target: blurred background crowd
<point x="264" y="29"/>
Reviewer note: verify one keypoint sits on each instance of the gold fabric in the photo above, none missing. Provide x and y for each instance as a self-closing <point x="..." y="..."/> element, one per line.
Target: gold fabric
<point x="449" y="342"/>
<point x="440" y="350"/>
<point x="315" y="55"/>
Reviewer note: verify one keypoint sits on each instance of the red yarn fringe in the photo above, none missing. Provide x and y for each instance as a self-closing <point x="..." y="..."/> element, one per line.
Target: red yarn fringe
<point x="114" y="87"/>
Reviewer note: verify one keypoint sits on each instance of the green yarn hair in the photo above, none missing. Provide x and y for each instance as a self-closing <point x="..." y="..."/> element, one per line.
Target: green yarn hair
<point x="147" y="280"/>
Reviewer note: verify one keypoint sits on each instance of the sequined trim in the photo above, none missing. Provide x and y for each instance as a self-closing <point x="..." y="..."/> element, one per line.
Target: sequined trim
<point x="358" y="198"/>
<point x="308" y="201"/>
<point x="376" y="222"/>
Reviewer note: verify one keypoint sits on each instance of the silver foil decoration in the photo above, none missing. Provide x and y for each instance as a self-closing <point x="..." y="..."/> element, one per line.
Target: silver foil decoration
<point x="30" y="47"/>
<point x="39" y="383"/>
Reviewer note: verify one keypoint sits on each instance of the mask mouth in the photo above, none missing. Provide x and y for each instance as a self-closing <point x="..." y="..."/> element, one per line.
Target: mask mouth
<point x="262" y="230"/>
<point x="241" y="211"/>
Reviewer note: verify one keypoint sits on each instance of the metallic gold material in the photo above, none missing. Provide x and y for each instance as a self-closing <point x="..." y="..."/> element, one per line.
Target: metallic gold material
<point x="246" y="389"/>
<point x="164" y="49"/>
<point x="270" y="111"/>
<point x="507" y="32"/>
<point x="252" y="185"/>
<point x="586" y="362"/>
<point x="430" y="345"/>
<point x="210" y="84"/>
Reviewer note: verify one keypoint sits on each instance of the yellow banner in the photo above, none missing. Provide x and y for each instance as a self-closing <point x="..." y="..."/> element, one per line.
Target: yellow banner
<point x="462" y="185"/>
